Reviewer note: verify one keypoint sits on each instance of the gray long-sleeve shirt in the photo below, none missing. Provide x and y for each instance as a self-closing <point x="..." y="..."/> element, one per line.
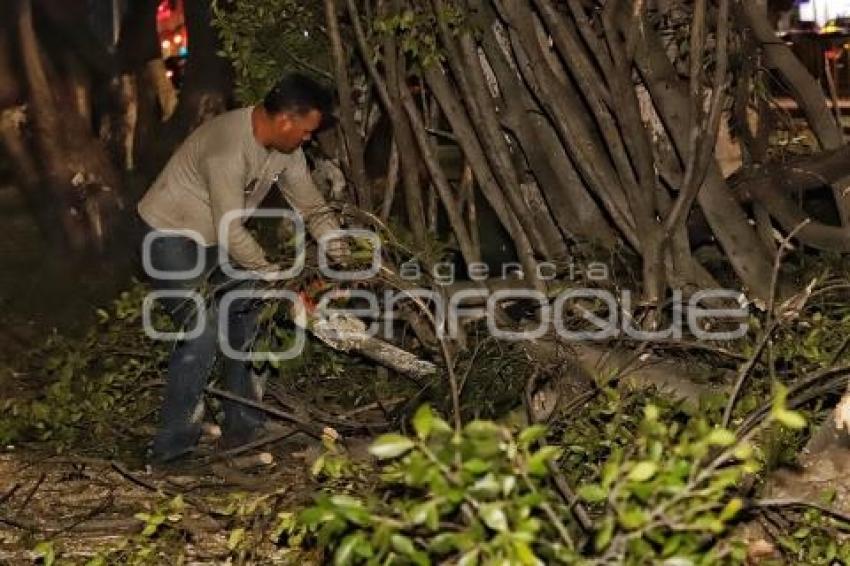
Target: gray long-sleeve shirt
<point x="222" y="168"/>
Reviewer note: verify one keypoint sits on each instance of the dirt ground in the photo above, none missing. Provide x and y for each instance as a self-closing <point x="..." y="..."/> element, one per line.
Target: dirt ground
<point x="86" y="506"/>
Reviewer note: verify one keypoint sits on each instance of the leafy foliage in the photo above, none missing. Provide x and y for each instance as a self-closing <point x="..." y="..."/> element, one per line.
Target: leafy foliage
<point x="265" y="38"/>
<point x="484" y="496"/>
<point x="93" y="386"/>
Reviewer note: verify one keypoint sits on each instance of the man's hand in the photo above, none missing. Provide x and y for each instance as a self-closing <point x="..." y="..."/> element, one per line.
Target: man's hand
<point x="339" y="252"/>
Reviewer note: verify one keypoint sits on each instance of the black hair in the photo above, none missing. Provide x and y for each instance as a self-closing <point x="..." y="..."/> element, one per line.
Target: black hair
<point x="299" y="94"/>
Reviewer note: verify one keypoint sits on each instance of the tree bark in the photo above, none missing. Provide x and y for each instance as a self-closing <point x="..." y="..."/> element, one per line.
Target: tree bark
<point x="568" y="115"/>
<point x="474" y="154"/>
<point x="744" y="249"/>
<point x="351" y="133"/>
<point x="403" y="156"/>
<point x="575" y="211"/>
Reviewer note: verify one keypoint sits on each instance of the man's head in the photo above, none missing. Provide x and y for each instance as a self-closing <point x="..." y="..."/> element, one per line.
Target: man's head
<point x="296" y="108"/>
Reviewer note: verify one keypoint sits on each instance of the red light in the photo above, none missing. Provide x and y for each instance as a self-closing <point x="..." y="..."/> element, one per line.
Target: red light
<point x="163" y="11"/>
<point x="178" y="39"/>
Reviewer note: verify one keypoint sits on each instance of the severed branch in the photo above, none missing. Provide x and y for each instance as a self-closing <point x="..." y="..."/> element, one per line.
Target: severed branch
<point x="349" y="334"/>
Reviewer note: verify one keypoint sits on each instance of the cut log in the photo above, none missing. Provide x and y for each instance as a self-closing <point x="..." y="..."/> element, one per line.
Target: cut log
<point x="348" y="334"/>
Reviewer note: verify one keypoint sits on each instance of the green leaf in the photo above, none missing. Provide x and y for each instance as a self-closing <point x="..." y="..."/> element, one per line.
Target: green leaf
<point x="46" y="552"/>
<point x="731" y="509"/>
<point x="481" y="430"/>
<point x="149" y="529"/>
<point x="633" y="518"/>
<point x="477" y="466"/>
<point x="404" y="546"/>
<point x="351" y="509"/>
<point x="317" y="466"/>
<point x="443" y="543"/>
<point x="425" y="513"/>
<point x="531" y="435"/>
<point x="609" y="473"/>
<point x="236" y="536"/>
<point x="642" y="471"/>
<point x="423" y="420"/>
<point x="525" y="554"/>
<point x="604" y="534"/>
<point x="592" y="492"/>
<point x="469" y="559"/>
<point x="743" y="451"/>
<point x="508" y="485"/>
<point x="344" y="554"/>
<point x="494" y="516"/>
<point x="486" y="487"/>
<point x="671" y="545"/>
<point x="651" y="413"/>
<point x="537" y="462"/>
<point x="709" y="523"/>
<point x="721" y="437"/>
<point x="390" y="446"/>
<point x="791" y="419"/>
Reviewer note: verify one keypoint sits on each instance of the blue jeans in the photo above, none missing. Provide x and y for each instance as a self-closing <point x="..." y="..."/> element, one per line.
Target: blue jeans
<point x="192" y="360"/>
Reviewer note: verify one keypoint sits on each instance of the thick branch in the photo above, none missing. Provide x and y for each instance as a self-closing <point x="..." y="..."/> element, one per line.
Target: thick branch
<point x="351" y="132"/>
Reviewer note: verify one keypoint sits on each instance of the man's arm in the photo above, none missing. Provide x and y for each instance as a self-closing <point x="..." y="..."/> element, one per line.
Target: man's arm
<point x="298" y="188"/>
<point x="225" y="181"/>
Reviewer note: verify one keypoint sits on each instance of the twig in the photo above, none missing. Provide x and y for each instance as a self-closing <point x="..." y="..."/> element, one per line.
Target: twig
<point x="580" y="400"/>
<point x="301" y="423"/>
<point x="108" y="501"/>
<point x="770" y="327"/>
<point x="123" y="472"/>
<point x="561" y="483"/>
<point x="6" y="496"/>
<point x="745" y="371"/>
<point x="839" y="351"/>
<point x="32" y="491"/>
<point x="268" y="439"/>
<point x="836" y="376"/>
<point x="307" y="65"/>
<point x="340" y="422"/>
<point x="17" y="524"/>
<point x="791" y="502"/>
<point x="442" y="134"/>
<point x="132" y="478"/>
<point x="686" y="345"/>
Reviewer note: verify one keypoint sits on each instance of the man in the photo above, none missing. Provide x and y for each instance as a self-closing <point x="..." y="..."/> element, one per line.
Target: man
<point x="228" y="164"/>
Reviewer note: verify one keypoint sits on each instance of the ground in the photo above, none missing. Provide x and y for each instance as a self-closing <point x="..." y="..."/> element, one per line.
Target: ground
<point x="85" y="505"/>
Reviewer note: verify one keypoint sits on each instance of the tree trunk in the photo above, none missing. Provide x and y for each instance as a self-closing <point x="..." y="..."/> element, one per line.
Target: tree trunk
<point x="743" y="248"/>
<point x="77" y="174"/>
<point x="206" y="90"/>
<point x="351" y="133"/>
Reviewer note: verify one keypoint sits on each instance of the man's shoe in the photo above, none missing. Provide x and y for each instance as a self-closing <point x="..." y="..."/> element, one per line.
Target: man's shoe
<point x="191" y="462"/>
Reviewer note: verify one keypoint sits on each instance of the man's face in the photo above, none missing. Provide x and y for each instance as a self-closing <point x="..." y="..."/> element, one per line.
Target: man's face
<point x="290" y="130"/>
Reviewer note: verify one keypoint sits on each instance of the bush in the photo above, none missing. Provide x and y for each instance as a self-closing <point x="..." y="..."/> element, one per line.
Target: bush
<point x="485" y="495"/>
